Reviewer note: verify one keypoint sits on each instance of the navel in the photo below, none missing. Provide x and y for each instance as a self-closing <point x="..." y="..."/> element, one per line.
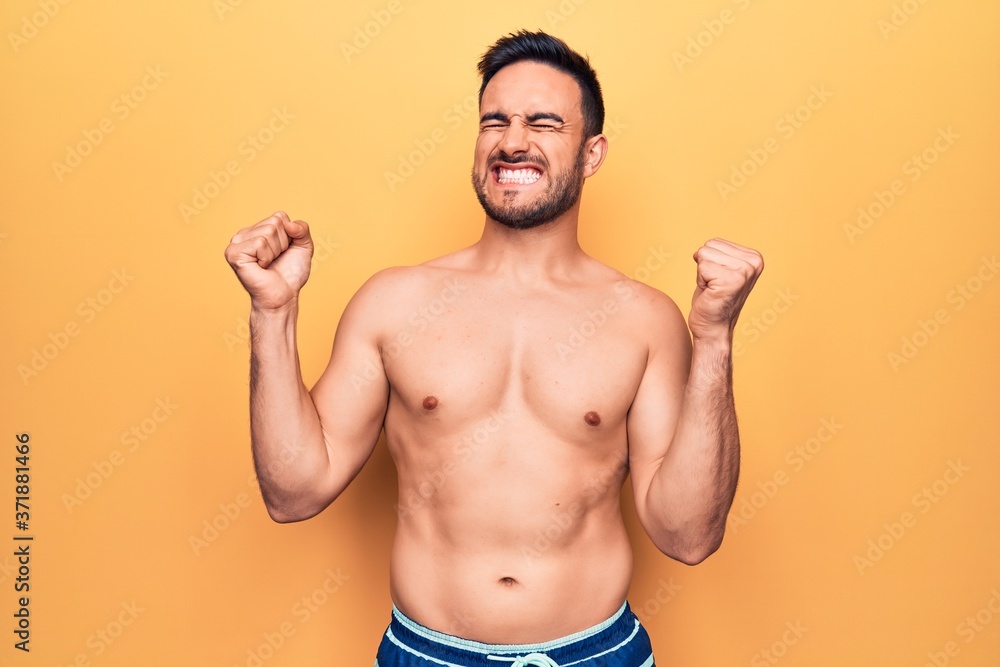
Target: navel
<point x="592" y="418"/>
<point x="430" y="403"/>
<point x="508" y="581"/>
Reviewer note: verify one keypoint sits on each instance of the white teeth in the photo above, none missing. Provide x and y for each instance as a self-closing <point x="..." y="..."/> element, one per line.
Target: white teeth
<point x="520" y="176"/>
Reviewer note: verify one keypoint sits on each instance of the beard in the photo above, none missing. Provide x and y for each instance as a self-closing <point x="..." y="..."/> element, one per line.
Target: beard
<point x="561" y="194"/>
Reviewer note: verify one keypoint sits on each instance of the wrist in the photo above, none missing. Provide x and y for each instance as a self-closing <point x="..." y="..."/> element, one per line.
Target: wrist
<point x="261" y="310"/>
<point x="711" y="362"/>
<point x="722" y="342"/>
<point x="273" y="327"/>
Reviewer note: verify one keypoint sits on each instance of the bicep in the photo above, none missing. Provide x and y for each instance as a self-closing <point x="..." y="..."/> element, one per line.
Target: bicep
<point x="655" y="410"/>
<point x="352" y="393"/>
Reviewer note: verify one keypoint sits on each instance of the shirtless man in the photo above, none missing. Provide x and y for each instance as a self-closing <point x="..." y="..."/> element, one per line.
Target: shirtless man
<point x="512" y="437"/>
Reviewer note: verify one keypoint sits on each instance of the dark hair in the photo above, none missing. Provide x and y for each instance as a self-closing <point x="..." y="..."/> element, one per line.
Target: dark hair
<point x="543" y="48"/>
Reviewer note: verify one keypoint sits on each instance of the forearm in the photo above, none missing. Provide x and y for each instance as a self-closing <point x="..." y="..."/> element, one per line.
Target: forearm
<point x="693" y="488"/>
<point x="289" y="450"/>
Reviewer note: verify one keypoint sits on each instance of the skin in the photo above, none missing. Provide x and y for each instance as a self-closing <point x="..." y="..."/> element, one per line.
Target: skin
<point x="511" y="435"/>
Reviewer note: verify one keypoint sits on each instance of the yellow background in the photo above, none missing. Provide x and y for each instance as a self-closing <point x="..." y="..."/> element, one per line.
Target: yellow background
<point x="816" y="337"/>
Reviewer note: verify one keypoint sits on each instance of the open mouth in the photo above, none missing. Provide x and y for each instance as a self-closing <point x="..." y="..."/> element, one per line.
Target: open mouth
<point x="522" y="176"/>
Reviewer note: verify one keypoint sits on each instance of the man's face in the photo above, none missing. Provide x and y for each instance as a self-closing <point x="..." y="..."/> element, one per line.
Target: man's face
<point x="530" y="160"/>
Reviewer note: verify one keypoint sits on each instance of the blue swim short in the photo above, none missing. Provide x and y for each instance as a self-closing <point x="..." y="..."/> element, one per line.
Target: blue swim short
<point x="620" y="641"/>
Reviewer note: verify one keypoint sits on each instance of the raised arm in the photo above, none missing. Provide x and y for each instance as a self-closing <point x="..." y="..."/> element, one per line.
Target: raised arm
<point x="684" y="444"/>
<point x="304" y="456"/>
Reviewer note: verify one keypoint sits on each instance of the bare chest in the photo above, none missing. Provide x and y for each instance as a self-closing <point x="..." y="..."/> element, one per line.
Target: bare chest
<point x="572" y="362"/>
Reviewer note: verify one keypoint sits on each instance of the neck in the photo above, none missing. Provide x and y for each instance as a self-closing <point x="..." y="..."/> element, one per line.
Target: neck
<point x="546" y="252"/>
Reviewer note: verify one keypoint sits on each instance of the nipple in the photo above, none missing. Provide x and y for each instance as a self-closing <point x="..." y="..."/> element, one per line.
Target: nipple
<point x="592" y="418"/>
<point x="430" y="403"/>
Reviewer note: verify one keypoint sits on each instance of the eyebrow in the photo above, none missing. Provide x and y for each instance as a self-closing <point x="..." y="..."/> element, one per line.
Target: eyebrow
<point x="495" y="115"/>
<point x="531" y="118"/>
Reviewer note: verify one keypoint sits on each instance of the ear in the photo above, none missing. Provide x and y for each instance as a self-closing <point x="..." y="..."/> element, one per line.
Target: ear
<point x="595" y="149"/>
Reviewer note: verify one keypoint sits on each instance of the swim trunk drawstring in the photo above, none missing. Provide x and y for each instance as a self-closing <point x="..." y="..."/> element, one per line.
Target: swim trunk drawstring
<point x="530" y="660"/>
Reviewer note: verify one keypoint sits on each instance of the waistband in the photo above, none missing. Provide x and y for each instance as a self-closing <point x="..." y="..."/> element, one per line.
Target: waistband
<point x="605" y="638"/>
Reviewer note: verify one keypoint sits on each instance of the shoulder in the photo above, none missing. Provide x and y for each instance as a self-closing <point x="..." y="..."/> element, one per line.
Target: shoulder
<point x="645" y="307"/>
<point x="649" y="300"/>
<point x="406" y="285"/>
<point x="651" y="317"/>
<point x="655" y="316"/>
<point x="642" y="300"/>
<point x="400" y="278"/>
<point x="387" y="289"/>
<point x="393" y="291"/>
<point x="403" y="281"/>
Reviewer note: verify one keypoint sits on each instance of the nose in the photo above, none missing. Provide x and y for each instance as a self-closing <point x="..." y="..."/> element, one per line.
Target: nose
<point x="515" y="138"/>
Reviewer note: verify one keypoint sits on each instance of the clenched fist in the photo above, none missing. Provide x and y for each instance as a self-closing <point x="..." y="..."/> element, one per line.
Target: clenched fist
<point x="726" y="274"/>
<point x="272" y="260"/>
